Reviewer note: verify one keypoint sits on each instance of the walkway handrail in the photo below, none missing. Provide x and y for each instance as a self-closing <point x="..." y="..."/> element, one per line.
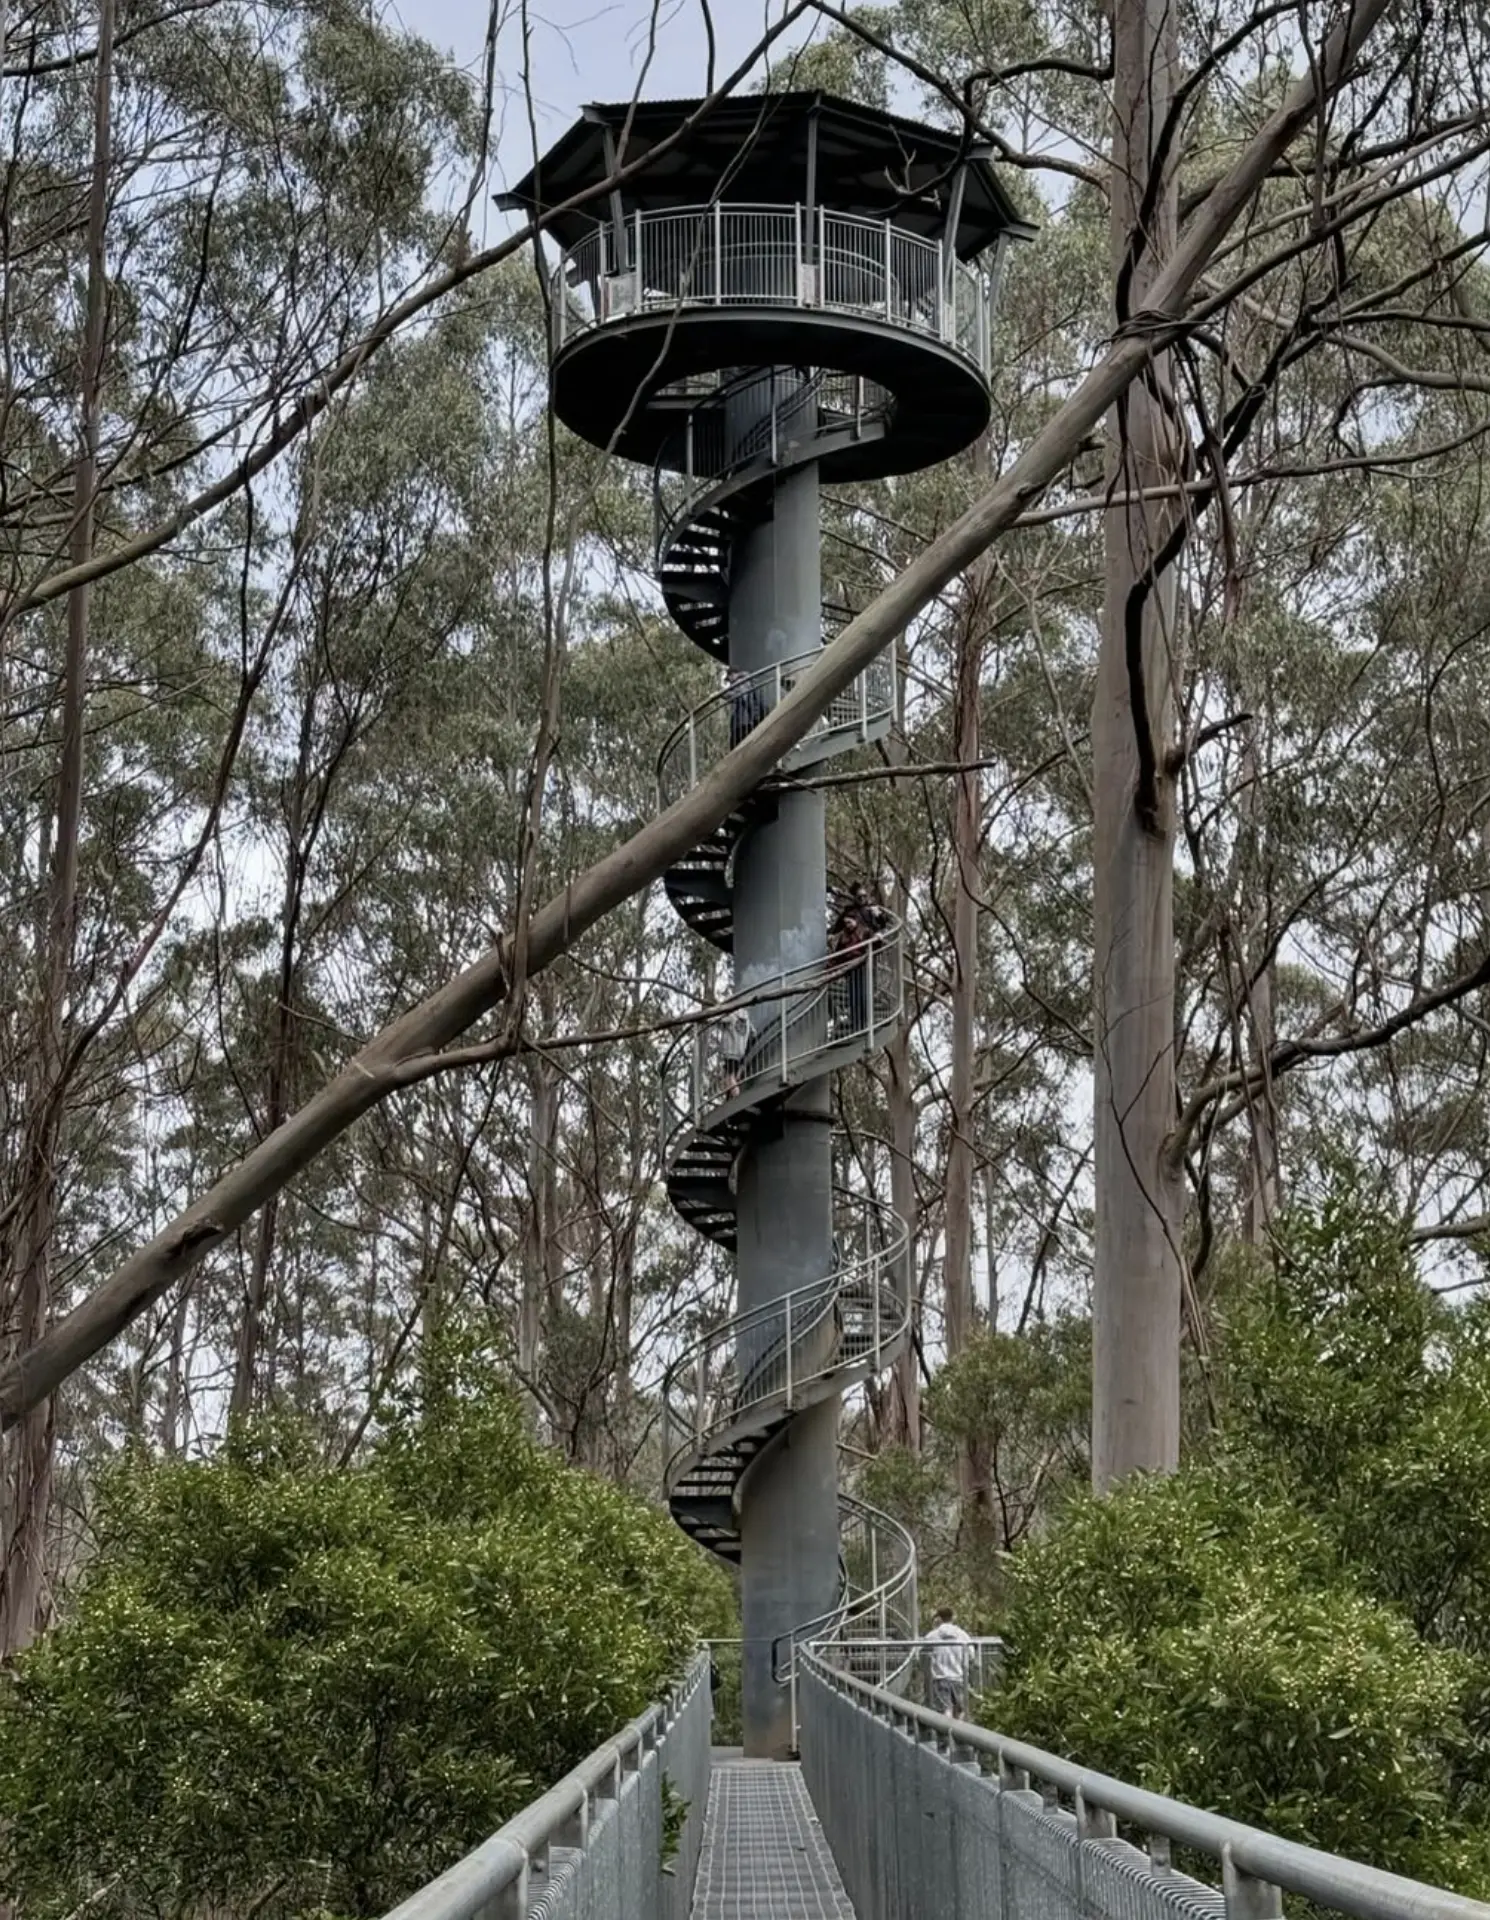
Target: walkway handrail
<point x="772" y="256"/>
<point x="764" y="1355"/>
<point x="791" y="1020"/>
<point x="505" y="1875"/>
<point x="1253" y="1862"/>
<point x="864" y="709"/>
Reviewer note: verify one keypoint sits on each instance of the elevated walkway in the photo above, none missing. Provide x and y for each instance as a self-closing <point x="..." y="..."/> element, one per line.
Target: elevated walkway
<point x="894" y="1813"/>
<point x="764" y="1856"/>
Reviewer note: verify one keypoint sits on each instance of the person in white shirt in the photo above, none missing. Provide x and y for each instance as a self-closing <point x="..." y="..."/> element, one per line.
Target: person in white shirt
<point x="951" y="1650"/>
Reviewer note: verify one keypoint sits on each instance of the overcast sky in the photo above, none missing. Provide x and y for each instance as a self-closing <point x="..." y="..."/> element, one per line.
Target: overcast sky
<point x="586" y="50"/>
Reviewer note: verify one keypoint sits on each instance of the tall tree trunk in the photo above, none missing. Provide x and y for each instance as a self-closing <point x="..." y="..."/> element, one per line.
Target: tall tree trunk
<point x="540" y="1240"/>
<point x="1137" y="1281"/>
<point x="904" y="1413"/>
<point x="1263" y="1185"/>
<point x="967" y="824"/>
<point x="279" y="1085"/>
<point x="26" y="1458"/>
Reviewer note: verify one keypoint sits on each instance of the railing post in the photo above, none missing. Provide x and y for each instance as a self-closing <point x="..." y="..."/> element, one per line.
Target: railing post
<point x="875" y="1259"/>
<point x="1248" y="1898"/>
<point x="1092" y="1823"/>
<point x="636" y="263"/>
<point x="889" y="259"/>
<point x="864" y="705"/>
<point x="788" y="1304"/>
<point x="718" y="253"/>
<point x="785" y="1063"/>
<point x="799" y="266"/>
<point x="688" y="448"/>
<point x="696" y="1089"/>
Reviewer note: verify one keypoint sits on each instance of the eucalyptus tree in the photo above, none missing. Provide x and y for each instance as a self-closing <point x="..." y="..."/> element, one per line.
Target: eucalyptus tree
<point x="496" y="986"/>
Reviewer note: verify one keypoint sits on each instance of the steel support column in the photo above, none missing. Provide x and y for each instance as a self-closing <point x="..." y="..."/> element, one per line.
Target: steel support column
<point x="789" y="1499"/>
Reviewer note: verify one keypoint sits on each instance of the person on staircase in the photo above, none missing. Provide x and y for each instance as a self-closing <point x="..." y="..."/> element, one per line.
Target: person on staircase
<point x="747" y="705"/>
<point x="858" y="923"/>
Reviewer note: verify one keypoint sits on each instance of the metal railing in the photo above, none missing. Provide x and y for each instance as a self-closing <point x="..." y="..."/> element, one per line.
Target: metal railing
<point x="877" y="1604"/>
<point x="592" y="1846"/>
<point x="928" y="1815"/>
<point x="767" y="418"/>
<point x="773" y="1357"/>
<point x="905" y="1663"/>
<point x="775" y="1033"/>
<point x="773" y="256"/>
<point x="863" y="711"/>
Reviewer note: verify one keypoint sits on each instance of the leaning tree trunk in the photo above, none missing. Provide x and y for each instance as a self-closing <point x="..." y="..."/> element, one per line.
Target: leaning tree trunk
<point x="1137" y="1280"/>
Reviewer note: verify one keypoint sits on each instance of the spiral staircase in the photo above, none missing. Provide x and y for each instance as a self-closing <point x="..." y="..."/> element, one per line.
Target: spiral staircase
<point x="784" y="283"/>
<point x="732" y="1394"/>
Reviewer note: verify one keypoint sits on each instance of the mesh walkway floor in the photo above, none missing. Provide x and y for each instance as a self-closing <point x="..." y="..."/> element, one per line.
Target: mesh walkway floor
<point x="764" y="1856"/>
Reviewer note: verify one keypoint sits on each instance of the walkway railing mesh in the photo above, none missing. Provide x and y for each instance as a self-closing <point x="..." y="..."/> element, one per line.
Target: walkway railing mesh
<point x="934" y="1819"/>
<point x="592" y="1847"/>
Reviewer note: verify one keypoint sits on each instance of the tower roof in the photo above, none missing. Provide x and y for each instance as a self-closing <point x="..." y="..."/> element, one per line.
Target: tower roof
<point x="757" y="149"/>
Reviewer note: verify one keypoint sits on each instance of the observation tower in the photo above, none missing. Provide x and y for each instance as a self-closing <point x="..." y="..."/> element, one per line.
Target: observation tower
<point x="793" y="291"/>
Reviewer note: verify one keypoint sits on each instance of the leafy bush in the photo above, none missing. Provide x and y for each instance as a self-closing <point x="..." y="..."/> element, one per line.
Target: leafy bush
<point x="306" y="1690"/>
<point x="1297" y="1631"/>
<point x="1191" y="1637"/>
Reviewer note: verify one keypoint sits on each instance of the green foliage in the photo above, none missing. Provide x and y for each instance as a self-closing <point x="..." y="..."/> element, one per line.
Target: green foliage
<point x="1295" y="1631"/>
<point x="310" y="1689"/>
<point x="674" y="1814"/>
<point x="1205" y="1642"/>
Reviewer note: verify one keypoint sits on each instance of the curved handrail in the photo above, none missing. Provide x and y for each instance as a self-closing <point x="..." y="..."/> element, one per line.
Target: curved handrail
<point x="705" y="452"/>
<point x="767" y="1038"/>
<point x="719" y="255"/>
<point x="863" y="711"/>
<point x="881" y="1611"/>
<point x="771" y="1357"/>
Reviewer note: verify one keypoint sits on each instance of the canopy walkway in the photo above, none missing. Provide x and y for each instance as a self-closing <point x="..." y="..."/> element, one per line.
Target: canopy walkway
<point x="894" y="1813"/>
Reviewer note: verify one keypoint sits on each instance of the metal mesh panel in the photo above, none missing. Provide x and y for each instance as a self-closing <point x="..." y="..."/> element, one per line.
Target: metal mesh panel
<point x="559" y="1897"/>
<point x="1040" y="1870"/>
<point x="933" y="1866"/>
<point x="1118" y="1883"/>
<point x="685" y="1764"/>
<point x="977" y="1883"/>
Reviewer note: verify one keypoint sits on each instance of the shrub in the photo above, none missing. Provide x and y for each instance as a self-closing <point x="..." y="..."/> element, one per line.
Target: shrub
<point x="305" y="1690"/>
<point x="1187" y="1635"/>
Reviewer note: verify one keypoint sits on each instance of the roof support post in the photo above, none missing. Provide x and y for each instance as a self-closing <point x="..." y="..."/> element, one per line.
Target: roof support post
<point x="949" y="239"/>
<point x="619" y="262"/>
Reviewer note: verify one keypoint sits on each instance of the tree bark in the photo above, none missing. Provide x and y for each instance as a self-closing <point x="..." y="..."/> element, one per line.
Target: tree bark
<point x="26" y="1462"/>
<point x="904" y="1411"/>
<point x="406" y="1049"/>
<point x="967" y="835"/>
<point x="1138" y="1277"/>
<point x="277" y="1092"/>
<point x="1263" y="1185"/>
